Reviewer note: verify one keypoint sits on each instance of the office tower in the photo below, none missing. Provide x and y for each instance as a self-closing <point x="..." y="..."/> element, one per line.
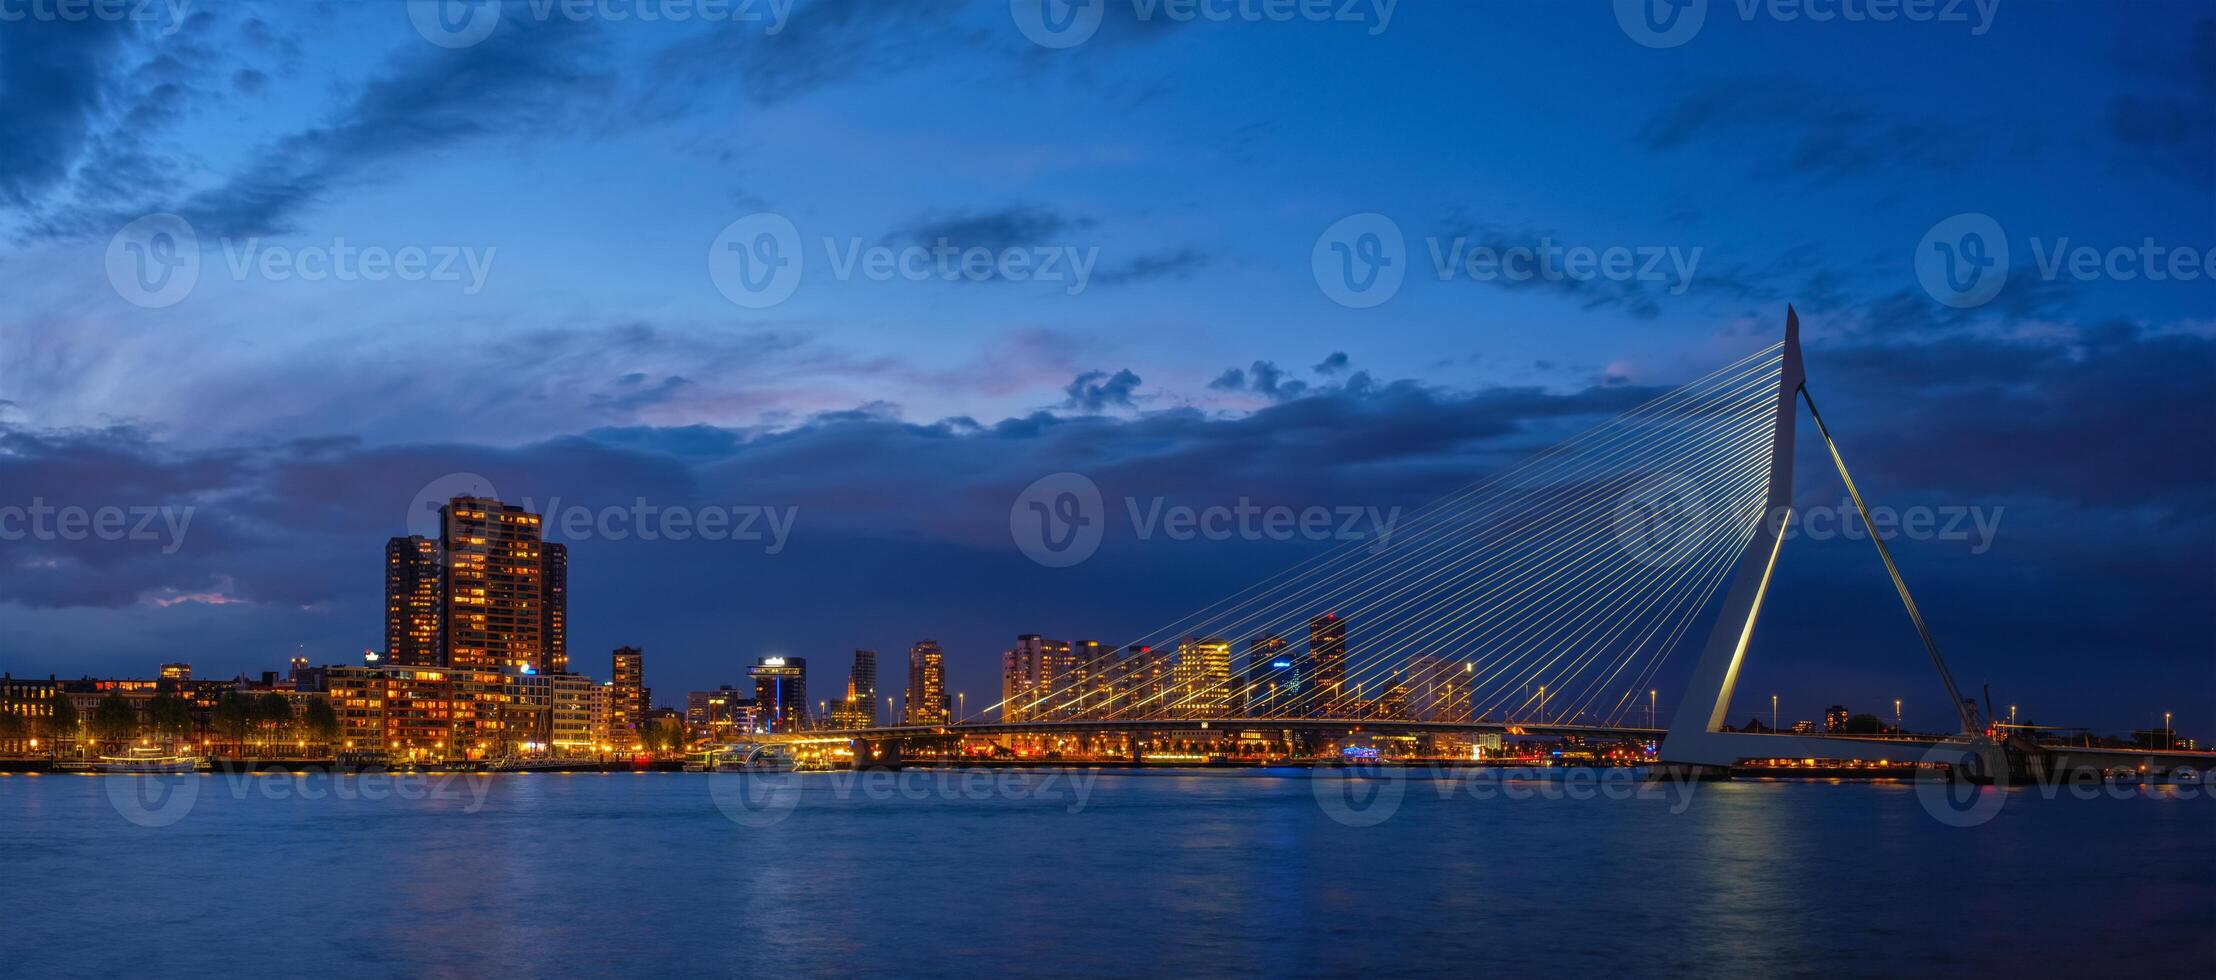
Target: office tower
<point x="554" y="607"/>
<point x="781" y="693"/>
<point x="1438" y="689"/>
<point x="412" y="603"/>
<point x="1327" y="653"/>
<point x="1202" y="678"/>
<point x="1141" y="683"/>
<point x="714" y="714"/>
<point x="861" y="689"/>
<point x="570" y="716"/>
<point x="628" y="701"/>
<point x="493" y="586"/>
<point x="1272" y="684"/>
<point x="926" y="695"/>
<point x="1089" y="662"/>
<point x="1037" y="679"/>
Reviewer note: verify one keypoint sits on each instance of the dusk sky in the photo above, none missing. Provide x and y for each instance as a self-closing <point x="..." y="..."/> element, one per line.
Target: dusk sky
<point x="573" y="334"/>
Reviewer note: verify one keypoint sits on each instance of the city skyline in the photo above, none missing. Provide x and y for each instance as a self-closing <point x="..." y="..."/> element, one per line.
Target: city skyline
<point x="882" y="430"/>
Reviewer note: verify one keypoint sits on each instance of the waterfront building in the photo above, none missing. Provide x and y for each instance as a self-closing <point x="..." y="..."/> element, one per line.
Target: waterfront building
<point x="861" y="687"/>
<point x="176" y="672"/>
<point x="554" y="607"/>
<point x="1275" y="678"/>
<point x="781" y="693"/>
<point x="714" y="715"/>
<point x="1835" y="718"/>
<point x="1435" y="688"/>
<point x="30" y="702"/>
<point x="412" y="602"/>
<point x="1089" y="662"/>
<point x="1019" y="678"/>
<point x="607" y="735"/>
<point x="493" y="583"/>
<point x="926" y="700"/>
<point x="629" y="696"/>
<point x="1327" y="652"/>
<point x="1142" y="683"/>
<point x="1038" y="679"/>
<point x="1202" y="679"/>
<point x="570" y="714"/>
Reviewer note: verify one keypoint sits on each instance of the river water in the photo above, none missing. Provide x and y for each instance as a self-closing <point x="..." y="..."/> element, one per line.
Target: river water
<point x="1094" y="873"/>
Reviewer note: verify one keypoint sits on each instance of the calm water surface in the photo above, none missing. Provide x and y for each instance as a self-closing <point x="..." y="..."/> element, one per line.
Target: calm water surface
<point x="1154" y="874"/>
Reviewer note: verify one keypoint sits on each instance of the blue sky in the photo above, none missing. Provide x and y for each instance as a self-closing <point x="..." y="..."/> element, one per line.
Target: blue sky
<point x="595" y="161"/>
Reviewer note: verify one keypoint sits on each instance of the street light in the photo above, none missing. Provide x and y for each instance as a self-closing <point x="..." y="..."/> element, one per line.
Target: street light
<point x="1542" y="704"/>
<point x="1773" y="712"/>
<point x="1651" y="696"/>
<point x="1896" y="716"/>
<point x="961" y="701"/>
<point x="2171" y="734"/>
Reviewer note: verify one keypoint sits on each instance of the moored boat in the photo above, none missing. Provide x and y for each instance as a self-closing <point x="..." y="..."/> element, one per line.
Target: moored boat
<point x="148" y="759"/>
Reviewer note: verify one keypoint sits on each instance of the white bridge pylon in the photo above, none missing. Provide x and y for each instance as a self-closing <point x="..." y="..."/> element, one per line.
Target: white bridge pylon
<point x="1696" y="736"/>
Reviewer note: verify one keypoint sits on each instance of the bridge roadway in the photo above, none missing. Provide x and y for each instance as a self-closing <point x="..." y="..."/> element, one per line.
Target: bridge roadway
<point x="1789" y="745"/>
<point x="1068" y="726"/>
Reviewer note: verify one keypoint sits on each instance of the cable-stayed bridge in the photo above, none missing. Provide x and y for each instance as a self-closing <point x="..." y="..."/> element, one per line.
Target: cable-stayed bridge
<point x="1543" y="600"/>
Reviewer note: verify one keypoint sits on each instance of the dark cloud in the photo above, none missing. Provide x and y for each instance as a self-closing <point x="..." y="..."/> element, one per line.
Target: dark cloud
<point x="1179" y="263"/>
<point x="1097" y="391"/>
<point x="2108" y="515"/>
<point x="1335" y="363"/>
<point x="1014" y="226"/>
<point x="53" y="73"/>
<point x="531" y="77"/>
<point x="1793" y="128"/>
<point x="2176" y="119"/>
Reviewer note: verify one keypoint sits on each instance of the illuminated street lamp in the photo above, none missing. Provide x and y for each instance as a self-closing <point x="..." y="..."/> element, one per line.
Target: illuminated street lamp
<point x="2170" y="735"/>
<point x="1896" y="716"/>
<point x="1773" y="712"/>
<point x="1652" y="695"/>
